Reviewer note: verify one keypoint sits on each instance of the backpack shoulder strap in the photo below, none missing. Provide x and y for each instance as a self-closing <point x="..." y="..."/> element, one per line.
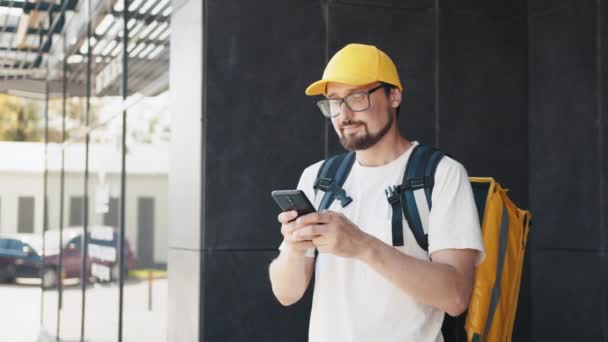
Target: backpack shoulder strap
<point x="331" y="178"/>
<point x="417" y="188"/>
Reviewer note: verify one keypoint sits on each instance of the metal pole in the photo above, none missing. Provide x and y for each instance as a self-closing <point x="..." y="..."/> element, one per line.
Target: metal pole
<point x="123" y="194"/>
<point x="45" y="190"/>
<point x="85" y="236"/>
<point x="149" y="290"/>
<point x="59" y="271"/>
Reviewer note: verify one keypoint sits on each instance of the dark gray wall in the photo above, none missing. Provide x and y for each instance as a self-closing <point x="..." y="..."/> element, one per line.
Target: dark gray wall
<point x="261" y="132"/>
<point x="568" y="173"/>
<point x="464" y="69"/>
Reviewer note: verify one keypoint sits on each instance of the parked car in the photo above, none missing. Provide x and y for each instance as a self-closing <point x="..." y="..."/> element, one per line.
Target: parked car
<point x="102" y="261"/>
<point x="19" y="256"/>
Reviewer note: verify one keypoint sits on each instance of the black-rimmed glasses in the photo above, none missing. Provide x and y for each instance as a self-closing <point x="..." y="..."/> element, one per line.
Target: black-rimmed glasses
<point x="356" y="102"/>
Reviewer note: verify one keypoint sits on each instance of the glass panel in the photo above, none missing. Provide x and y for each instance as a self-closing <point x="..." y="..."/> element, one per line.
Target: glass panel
<point x="69" y="241"/>
<point x="55" y="121"/>
<point x="145" y="258"/>
<point x="21" y="193"/>
<point x="146" y="215"/>
<point x="147" y="219"/>
<point x="50" y="275"/>
<point x="148" y="48"/>
<point x="105" y="163"/>
<point x="101" y="310"/>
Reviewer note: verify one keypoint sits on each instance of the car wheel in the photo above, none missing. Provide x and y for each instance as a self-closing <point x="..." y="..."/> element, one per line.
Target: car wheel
<point x="49" y="278"/>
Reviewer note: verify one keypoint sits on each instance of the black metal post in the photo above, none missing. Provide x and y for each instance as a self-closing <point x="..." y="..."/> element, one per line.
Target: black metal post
<point x="45" y="190"/>
<point x="59" y="270"/>
<point x="123" y="194"/>
<point x="203" y="175"/>
<point x="85" y="235"/>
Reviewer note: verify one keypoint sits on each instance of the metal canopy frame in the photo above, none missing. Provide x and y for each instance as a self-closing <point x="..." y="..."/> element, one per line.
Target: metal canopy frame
<point x="31" y="32"/>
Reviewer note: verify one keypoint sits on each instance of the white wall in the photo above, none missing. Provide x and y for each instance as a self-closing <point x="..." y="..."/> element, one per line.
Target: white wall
<point x="186" y="171"/>
<point x="14" y="185"/>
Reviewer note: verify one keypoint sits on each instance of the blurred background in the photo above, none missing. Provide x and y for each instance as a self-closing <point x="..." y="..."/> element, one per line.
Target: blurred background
<point x="75" y="178"/>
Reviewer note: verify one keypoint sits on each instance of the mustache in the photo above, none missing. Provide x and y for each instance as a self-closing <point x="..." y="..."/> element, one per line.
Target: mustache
<point x="351" y="122"/>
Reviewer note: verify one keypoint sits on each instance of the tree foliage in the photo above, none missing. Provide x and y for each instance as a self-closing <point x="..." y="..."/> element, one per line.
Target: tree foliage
<point x="20" y="119"/>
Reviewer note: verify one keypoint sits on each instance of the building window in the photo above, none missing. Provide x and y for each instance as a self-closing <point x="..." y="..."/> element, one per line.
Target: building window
<point x="76" y="211"/>
<point x="110" y="218"/>
<point x="145" y="233"/>
<point x="25" y="214"/>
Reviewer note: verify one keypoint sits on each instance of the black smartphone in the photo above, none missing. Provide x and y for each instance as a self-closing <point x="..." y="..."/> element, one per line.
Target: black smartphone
<point x="293" y="200"/>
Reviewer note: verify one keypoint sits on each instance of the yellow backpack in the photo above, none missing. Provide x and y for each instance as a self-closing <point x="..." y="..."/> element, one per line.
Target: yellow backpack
<point x="505" y="227"/>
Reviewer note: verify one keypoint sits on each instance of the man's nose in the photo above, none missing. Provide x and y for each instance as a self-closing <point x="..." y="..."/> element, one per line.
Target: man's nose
<point x="345" y="112"/>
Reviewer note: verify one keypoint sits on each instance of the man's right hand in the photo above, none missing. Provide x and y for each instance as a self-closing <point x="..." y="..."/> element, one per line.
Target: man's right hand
<point x="289" y="226"/>
<point x="291" y="272"/>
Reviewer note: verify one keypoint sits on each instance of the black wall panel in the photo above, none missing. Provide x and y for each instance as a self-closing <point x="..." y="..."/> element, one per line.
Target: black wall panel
<point x="240" y="306"/>
<point x="564" y="169"/>
<point x="539" y="6"/>
<point x="522" y="327"/>
<point x="393" y="4"/>
<point x="262" y="129"/>
<point x="482" y="97"/>
<point x="494" y="8"/>
<point x="603" y="158"/>
<point x="567" y="300"/>
<point x="407" y="36"/>
<point x="567" y="170"/>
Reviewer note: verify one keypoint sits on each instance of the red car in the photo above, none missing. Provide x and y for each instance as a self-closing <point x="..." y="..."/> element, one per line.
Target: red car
<point x="102" y="261"/>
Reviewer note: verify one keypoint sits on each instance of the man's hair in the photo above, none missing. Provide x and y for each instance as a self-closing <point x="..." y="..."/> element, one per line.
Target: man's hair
<point x="387" y="90"/>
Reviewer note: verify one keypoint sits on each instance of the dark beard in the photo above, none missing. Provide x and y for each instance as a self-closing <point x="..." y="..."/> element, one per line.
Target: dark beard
<point x="366" y="141"/>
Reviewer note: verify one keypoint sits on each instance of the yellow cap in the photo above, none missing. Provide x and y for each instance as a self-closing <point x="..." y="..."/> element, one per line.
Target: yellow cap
<point x="357" y="64"/>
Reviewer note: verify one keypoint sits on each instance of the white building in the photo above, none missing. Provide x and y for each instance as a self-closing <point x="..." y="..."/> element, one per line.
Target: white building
<point x="22" y="188"/>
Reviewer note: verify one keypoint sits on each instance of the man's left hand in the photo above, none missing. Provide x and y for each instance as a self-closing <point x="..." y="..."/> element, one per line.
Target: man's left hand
<point x="332" y="233"/>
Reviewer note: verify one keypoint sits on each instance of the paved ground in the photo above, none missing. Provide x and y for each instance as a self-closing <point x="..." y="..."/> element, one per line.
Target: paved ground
<point x="19" y="313"/>
<point x="20" y="307"/>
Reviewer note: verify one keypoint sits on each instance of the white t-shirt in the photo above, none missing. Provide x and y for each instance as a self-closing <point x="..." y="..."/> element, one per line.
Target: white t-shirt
<point x="351" y="301"/>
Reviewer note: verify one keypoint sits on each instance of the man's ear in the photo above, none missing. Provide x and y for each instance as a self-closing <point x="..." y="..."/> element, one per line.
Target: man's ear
<point x="395" y="97"/>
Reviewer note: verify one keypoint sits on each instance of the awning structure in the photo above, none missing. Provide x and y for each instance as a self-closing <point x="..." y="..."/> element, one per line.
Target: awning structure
<point x="38" y="37"/>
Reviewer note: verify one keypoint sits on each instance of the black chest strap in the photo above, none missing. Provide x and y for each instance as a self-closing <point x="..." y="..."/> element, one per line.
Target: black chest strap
<point x="413" y="196"/>
<point x="331" y="178"/>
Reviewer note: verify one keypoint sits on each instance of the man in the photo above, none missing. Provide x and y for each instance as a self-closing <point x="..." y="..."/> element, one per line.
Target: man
<point x="366" y="289"/>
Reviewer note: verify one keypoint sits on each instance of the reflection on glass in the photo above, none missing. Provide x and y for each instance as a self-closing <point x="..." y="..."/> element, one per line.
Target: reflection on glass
<point x="145" y="208"/>
<point x="105" y="165"/>
<point x="21" y="208"/>
<point x="101" y="310"/>
<point x="146" y="219"/>
<point x="145" y="291"/>
<point x="49" y="272"/>
<point x="69" y="243"/>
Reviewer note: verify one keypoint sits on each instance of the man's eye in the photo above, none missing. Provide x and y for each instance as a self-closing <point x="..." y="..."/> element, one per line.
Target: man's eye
<point x="357" y="97"/>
